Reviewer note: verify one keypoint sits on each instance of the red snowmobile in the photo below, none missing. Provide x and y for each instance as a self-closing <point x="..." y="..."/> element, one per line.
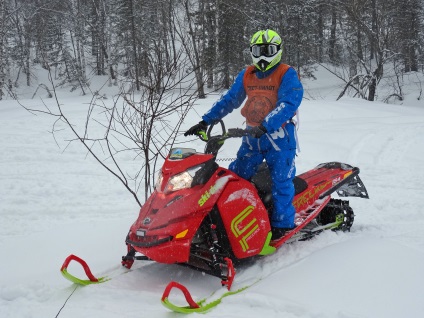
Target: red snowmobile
<point x="206" y="217"/>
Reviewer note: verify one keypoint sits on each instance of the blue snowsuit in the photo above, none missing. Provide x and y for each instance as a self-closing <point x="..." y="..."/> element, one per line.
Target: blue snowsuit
<point x="277" y="146"/>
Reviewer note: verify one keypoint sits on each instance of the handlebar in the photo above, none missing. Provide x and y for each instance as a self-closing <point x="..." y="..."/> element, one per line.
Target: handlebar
<point x="237" y="132"/>
<point x="231" y="133"/>
<point x="214" y="143"/>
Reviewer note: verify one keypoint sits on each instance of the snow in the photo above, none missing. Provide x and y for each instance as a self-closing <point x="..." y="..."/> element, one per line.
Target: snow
<point x="55" y="200"/>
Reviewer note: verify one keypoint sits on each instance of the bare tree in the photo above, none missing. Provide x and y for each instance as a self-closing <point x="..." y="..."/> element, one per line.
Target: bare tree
<point x="188" y="35"/>
<point x="142" y="126"/>
<point x="408" y="26"/>
<point x="98" y="35"/>
<point x="359" y="32"/>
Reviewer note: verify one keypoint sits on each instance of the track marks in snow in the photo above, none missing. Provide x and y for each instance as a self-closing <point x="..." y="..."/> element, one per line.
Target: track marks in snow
<point x="386" y="146"/>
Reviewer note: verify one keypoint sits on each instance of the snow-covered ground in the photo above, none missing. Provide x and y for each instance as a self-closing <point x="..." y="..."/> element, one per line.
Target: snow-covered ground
<point x="56" y="201"/>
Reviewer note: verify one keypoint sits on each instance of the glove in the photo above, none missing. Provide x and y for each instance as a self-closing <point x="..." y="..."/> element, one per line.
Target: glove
<point x="257" y="131"/>
<point x="196" y="128"/>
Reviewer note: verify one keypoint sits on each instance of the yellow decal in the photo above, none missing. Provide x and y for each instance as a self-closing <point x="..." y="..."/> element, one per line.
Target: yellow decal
<point x="181" y="234"/>
<point x="249" y="228"/>
<point x="347" y="174"/>
<point x="308" y="195"/>
<point x="208" y="193"/>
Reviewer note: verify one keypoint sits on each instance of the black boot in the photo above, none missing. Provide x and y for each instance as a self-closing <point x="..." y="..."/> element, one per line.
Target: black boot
<point x="279" y="232"/>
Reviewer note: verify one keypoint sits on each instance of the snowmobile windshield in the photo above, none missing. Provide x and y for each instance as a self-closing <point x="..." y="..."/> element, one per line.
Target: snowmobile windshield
<point x="181" y="153"/>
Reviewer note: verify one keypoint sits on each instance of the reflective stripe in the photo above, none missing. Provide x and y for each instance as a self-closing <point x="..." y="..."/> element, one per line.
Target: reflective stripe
<point x="296" y="124"/>
<point x="297" y="140"/>
<point x="273" y="143"/>
<point x="292" y="167"/>
<point x="247" y="141"/>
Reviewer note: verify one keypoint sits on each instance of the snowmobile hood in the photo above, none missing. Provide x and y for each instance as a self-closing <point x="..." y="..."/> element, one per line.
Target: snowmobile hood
<point x="168" y="214"/>
<point x="176" y="166"/>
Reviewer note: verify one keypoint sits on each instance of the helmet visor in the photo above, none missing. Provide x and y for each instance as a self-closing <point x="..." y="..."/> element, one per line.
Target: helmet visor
<point x="264" y="50"/>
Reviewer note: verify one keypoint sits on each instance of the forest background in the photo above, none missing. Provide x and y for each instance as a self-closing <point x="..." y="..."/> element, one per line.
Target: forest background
<point x="139" y="44"/>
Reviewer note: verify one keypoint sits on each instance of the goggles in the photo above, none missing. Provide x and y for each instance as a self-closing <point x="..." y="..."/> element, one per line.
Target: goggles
<point x="264" y="50"/>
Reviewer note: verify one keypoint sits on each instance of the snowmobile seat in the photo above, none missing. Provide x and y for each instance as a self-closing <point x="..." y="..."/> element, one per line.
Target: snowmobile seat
<point x="263" y="183"/>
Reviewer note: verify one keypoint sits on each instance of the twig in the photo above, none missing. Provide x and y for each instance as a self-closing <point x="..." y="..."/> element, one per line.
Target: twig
<point x="64" y="304"/>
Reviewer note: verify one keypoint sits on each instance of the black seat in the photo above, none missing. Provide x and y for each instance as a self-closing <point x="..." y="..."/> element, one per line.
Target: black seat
<point x="263" y="183"/>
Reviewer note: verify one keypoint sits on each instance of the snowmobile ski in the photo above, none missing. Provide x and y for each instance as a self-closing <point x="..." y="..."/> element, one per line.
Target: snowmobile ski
<point x="201" y="306"/>
<point x="91" y="278"/>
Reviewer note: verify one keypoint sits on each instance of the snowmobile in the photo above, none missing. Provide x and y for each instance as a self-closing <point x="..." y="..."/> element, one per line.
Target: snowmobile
<point x="206" y="217"/>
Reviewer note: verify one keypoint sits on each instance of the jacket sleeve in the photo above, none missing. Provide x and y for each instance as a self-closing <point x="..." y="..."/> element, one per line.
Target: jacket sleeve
<point x="290" y="94"/>
<point x="229" y="101"/>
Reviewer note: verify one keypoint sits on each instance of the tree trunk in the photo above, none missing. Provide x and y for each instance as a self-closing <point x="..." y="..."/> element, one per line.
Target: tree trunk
<point x="376" y="76"/>
<point x="196" y="58"/>
<point x="374" y="27"/>
<point x="332" y="48"/>
<point x="134" y="44"/>
<point x="3" y="58"/>
<point x="320" y="32"/>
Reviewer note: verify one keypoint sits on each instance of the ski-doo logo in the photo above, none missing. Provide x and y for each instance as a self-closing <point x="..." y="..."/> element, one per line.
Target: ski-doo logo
<point x="208" y="193"/>
<point x="239" y="229"/>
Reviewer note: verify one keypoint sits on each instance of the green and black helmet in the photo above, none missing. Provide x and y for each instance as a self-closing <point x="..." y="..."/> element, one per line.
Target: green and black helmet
<point x="266" y="50"/>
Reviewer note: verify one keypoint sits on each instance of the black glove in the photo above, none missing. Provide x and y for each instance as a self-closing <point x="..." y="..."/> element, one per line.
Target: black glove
<point x="196" y="128"/>
<point x="257" y="131"/>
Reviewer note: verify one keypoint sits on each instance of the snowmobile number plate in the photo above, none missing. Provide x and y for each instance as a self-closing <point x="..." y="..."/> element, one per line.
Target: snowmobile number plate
<point x="141" y="233"/>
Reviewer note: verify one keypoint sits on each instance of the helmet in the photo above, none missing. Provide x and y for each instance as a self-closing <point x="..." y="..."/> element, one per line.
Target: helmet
<point x="265" y="48"/>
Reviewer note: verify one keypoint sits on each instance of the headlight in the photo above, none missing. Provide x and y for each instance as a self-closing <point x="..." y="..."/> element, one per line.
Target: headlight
<point x="180" y="181"/>
<point x="158" y="182"/>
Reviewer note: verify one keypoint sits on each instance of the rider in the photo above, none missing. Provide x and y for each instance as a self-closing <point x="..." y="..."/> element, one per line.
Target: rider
<point x="274" y="93"/>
